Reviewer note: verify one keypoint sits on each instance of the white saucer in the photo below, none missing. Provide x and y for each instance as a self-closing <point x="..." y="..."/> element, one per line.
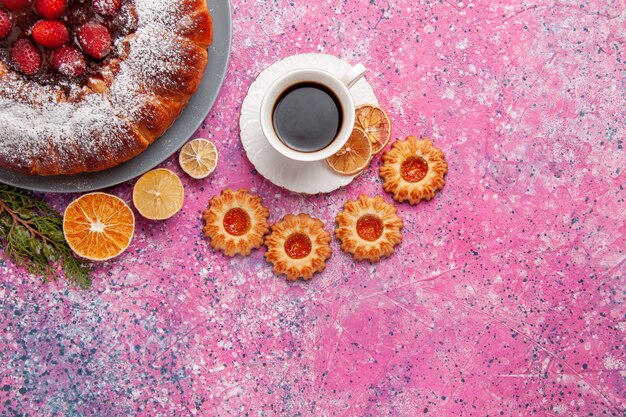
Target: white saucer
<point x="301" y="177"/>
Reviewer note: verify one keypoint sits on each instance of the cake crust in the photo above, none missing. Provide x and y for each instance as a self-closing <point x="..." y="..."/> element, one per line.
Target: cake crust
<point x="122" y="108"/>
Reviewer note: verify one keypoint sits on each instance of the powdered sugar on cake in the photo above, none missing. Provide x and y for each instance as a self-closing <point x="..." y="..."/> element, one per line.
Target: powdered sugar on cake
<point x="44" y="123"/>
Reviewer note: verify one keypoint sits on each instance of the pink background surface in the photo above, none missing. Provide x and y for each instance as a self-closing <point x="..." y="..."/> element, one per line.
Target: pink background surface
<point x="506" y="296"/>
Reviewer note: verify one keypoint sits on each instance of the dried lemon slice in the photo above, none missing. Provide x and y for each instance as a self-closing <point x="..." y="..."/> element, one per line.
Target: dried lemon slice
<point x="198" y="158"/>
<point x="98" y="226"/>
<point x="376" y="124"/>
<point x="354" y="156"/>
<point x="158" y="194"/>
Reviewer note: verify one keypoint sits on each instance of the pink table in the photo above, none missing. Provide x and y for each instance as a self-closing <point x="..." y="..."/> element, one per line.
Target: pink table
<point x="506" y="296"/>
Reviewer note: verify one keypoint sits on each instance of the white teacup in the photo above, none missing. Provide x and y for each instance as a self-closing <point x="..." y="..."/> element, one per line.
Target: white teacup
<point x="340" y="87"/>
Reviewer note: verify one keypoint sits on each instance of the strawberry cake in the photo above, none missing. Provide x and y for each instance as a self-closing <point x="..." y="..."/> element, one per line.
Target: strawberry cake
<point x="88" y="84"/>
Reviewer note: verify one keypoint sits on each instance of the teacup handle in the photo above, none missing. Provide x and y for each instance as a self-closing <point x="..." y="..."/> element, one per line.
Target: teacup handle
<point x="353" y="75"/>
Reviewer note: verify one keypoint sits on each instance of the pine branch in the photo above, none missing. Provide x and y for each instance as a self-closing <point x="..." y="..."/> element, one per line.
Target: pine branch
<point x="31" y="234"/>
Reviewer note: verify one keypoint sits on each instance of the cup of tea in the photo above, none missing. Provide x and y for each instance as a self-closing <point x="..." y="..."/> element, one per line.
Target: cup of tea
<point x="308" y="114"/>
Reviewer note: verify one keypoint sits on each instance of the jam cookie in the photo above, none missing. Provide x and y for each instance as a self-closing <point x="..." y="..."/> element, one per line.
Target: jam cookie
<point x="368" y="228"/>
<point x="236" y="222"/>
<point x="413" y="170"/>
<point x="298" y="246"/>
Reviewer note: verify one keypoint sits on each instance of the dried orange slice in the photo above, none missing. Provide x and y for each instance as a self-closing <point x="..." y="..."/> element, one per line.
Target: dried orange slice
<point x="376" y="124"/>
<point x="198" y="158"/>
<point x="354" y="156"/>
<point x="158" y="194"/>
<point x="98" y="226"/>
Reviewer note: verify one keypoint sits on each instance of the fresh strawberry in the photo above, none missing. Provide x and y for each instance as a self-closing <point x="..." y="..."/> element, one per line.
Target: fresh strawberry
<point x="50" y="33"/>
<point x="50" y="9"/>
<point x="69" y="61"/>
<point x="5" y="23"/>
<point x="94" y="39"/>
<point x="26" y="56"/>
<point x="106" y="7"/>
<point x="15" y="4"/>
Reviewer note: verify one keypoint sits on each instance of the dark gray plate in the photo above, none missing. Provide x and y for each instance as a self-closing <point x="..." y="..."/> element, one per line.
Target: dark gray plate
<point x="184" y="127"/>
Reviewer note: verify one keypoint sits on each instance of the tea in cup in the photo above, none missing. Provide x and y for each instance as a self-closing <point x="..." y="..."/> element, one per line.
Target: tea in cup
<point x="308" y="114"/>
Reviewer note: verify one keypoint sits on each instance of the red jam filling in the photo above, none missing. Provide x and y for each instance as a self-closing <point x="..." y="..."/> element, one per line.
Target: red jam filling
<point x="236" y="222"/>
<point x="298" y="246"/>
<point x="369" y="227"/>
<point x="414" y="169"/>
